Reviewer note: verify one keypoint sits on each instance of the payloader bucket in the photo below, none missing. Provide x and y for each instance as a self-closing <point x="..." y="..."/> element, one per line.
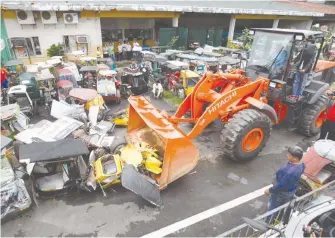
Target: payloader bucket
<point x="176" y="152"/>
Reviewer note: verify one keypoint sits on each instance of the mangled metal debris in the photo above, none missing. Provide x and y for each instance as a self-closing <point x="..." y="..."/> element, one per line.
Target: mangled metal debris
<point x="14" y="195"/>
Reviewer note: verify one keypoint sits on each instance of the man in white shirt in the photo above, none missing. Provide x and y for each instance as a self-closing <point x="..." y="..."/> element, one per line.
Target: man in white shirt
<point x="119" y="49"/>
<point x="129" y="53"/>
<point x="157" y="89"/>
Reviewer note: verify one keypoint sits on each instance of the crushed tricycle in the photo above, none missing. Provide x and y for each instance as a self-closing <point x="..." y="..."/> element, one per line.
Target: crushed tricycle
<point x="55" y="167"/>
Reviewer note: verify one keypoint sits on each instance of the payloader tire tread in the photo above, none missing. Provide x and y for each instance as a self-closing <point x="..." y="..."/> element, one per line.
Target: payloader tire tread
<point x="237" y="127"/>
<point x="308" y="117"/>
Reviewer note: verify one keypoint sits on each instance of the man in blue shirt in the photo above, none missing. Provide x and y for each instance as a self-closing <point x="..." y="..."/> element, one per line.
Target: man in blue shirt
<point x="286" y="180"/>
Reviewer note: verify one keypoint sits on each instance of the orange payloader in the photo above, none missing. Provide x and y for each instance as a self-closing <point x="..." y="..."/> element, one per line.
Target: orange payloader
<point x="247" y="102"/>
<point x="232" y="98"/>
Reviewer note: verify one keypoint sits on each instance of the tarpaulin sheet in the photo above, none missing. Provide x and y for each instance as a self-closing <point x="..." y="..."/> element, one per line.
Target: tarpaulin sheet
<point x="48" y="151"/>
<point x="45" y="130"/>
<point x="59" y="129"/>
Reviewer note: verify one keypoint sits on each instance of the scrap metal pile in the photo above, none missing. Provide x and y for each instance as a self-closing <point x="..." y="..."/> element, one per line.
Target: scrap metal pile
<point x="54" y="154"/>
<point x="72" y="145"/>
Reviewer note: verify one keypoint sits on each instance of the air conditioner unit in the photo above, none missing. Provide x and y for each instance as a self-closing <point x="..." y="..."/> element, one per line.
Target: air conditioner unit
<point x="82" y="39"/>
<point x="25" y="17"/>
<point x="48" y="17"/>
<point x="70" y="18"/>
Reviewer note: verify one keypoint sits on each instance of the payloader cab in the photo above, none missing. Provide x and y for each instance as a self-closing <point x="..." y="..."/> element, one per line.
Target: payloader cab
<point x="276" y="54"/>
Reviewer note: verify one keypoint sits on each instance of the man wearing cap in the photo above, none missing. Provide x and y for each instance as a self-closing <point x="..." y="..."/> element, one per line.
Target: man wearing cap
<point x="286" y="180"/>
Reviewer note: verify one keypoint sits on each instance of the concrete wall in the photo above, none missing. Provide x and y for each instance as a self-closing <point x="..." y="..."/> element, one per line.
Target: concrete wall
<point x="198" y="20"/>
<point x="53" y="34"/>
<point x="293" y="24"/>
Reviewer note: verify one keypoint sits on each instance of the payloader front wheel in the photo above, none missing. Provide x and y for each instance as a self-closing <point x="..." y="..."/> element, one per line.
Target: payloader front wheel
<point x="313" y="117"/>
<point x="245" y="135"/>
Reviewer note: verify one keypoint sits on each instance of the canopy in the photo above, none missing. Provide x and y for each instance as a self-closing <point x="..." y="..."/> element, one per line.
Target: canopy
<point x="48" y="151"/>
<point x="88" y="69"/>
<point x="107" y="73"/>
<point x="64" y="83"/>
<point x="85" y="94"/>
<point x="13" y="63"/>
<point x="326" y="149"/>
<point x="63" y="72"/>
<point x="228" y="60"/>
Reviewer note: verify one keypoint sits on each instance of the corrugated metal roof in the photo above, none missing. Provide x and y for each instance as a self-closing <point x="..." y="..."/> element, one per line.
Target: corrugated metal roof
<point x="317" y="7"/>
<point x="228" y="7"/>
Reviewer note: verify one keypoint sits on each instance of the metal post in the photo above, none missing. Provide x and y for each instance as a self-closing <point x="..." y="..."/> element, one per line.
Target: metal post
<point x="175" y="22"/>
<point x="231" y="27"/>
<point x="309" y="24"/>
<point x="123" y="36"/>
<point x="275" y="23"/>
<point x="26" y="46"/>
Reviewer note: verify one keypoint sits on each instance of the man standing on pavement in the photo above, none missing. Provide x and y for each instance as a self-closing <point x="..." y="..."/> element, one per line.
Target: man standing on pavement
<point x="111" y="51"/>
<point x="129" y="53"/>
<point x="286" y="180"/>
<point x="119" y="51"/>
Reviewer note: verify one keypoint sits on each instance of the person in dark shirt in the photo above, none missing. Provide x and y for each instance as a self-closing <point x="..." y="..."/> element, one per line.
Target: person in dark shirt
<point x="328" y="126"/>
<point x="307" y="56"/>
<point x="286" y="180"/>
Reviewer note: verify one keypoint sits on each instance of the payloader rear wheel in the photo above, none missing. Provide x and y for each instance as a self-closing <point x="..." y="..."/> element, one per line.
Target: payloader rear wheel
<point x="313" y="117"/>
<point x="245" y="135"/>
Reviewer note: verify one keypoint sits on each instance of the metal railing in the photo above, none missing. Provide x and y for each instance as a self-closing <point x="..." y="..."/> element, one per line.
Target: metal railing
<point x="280" y="216"/>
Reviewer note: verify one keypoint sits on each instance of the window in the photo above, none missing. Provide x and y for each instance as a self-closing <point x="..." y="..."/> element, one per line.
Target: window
<point x="26" y="47"/>
<point x="139" y="34"/>
<point x="111" y="35"/>
<point x="37" y="46"/>
<point x="75" y="43"/>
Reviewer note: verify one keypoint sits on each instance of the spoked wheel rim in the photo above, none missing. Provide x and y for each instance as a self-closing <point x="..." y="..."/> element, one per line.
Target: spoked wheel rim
<point x="320" y="118"/>
<point x="252" y="139"/>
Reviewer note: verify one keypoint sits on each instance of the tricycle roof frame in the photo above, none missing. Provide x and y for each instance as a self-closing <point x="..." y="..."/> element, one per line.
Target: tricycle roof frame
<point x="190" y="74"/>
<point x="13" y="63"/>
<point x="102" y="59"/>
<point x="87" y="58"/>
<point x="18" y="89"/>
<point x="228" y="60"/>
<point x="88" y="68"/>
<point x="85" y="94"/>
<point x="198" y="57"/>
<point x="107" y="73"/>
<point x="51" y="151"/>
<point x="64" y="83"/>
<point x="305" y="33"/>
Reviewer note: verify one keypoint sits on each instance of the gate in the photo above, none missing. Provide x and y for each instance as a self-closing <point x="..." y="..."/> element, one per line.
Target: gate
<point x="165" y="35"/>
<point x="280" y="214"/>
<point x="197" y="35"/>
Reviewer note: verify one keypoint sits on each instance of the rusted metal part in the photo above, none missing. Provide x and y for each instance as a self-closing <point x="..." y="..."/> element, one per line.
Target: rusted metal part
<point x="276" y="8"/>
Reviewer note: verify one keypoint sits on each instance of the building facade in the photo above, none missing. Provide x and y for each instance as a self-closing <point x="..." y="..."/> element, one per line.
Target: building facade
<point x="33" y="28"/>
